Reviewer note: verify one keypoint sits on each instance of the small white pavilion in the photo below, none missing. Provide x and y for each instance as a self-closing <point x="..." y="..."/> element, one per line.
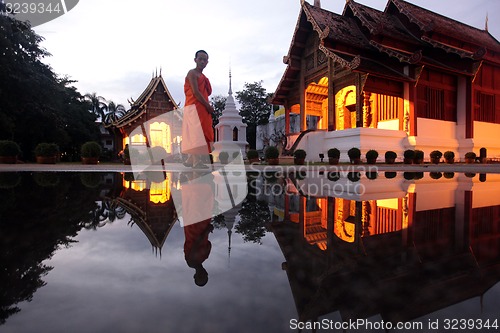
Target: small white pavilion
<point x="230" y="132"/>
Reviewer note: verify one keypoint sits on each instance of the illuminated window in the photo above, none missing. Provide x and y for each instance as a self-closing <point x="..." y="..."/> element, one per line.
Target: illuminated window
<point x="138" y="185"/>
<point x="138" y="139"/>
<point x="161" y="136"/>
<point x="159" y="192"/>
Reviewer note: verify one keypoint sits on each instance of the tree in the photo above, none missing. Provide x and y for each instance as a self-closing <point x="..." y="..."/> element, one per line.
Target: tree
<point x="115" y="111"/>
<point x="219" y="104"/>
<point x="254" y="109"/>
<point x="98" y="105"/>
<point x="37" y="105"/>
<point x="254" y="218"/>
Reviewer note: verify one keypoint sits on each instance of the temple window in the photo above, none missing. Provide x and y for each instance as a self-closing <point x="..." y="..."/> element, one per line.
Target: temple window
<point x="138" y="139"/>
<point x="485" y="108"/>
<point x="437" y="96"/>
<point x="388" y="107"/>
<point x="160" y="136"/>
<point x="159" y="192"/>
<point x="317" y="104"/>
<point x="345" y="108"/>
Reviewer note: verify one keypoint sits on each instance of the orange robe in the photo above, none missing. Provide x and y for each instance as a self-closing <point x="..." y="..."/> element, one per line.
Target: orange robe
<point x="205" y="117"/>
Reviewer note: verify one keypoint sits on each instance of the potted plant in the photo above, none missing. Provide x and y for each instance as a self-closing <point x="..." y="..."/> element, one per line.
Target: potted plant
<point x="419" y="157"/>
<point x="390" y="157"/>
<point x="299" y="156"/>
<point x="390" y="174"/>
<point x="90" y="179"/>
<point x="408" y="156"/>
<point x="223" y="157"/>
<point x="371" y="156"/>
<point x="333" y="156"/>
<point x="435" y="156"/>
<point x="46" y="179"/>
<point x="90" y="152"/>
<point x="435" y="175"/>
<point x="354" y="155"/>
<point x="449" y="157"/>
<point x="470" y="157"/>
<point x="333" y="176"/>
<point x="9" y="180"/>
<point x="9" y="150"/>
<point x="448" y="175"/>
<point x="253" y="156"/>
<point x="46" y="153"/>
<point x="354" y="176"/>
<point x="271" y="155"/>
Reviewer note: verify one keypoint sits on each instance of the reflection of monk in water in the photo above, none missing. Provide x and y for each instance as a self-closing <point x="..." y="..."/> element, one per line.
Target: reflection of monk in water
<point x="197" y="249"/>
<point x="197" y="210"/>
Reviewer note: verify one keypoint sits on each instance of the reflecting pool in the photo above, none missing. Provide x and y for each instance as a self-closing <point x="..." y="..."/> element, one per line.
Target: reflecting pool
<point x="347" y="252"/>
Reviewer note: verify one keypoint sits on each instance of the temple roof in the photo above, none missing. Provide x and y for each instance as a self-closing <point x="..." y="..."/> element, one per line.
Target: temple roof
<point x="381" y="43"/>
<point x="138" y="107"/>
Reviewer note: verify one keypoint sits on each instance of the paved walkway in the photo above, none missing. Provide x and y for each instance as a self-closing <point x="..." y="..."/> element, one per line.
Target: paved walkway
<point x="73" y="167"/>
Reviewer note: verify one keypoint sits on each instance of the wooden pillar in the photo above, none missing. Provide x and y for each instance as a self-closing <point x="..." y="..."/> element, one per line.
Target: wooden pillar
<point x="467" y="217"/>
<point x="412" y="210"/>
<point x="302" y="91"/>
<point x="469" y="109"/>
<point x="330" y="224"/>
<point x="287" y="120"/>
<point x="302" y="214"/>
<point x="331" y="95"/>
<point x="367" y="110"/>
<point x="412" y="99"/>
<point x="359" y="101"/>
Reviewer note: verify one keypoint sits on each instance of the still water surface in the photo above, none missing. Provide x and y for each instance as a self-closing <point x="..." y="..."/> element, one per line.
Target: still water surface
<point x="103" y="253"/>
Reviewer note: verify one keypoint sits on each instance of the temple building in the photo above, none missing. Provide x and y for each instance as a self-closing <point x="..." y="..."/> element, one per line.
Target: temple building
<point x="154" y="101"/>
<point x="149" y="203"/>
<point x="399" y="247"/>
<point x="402" y="78"/>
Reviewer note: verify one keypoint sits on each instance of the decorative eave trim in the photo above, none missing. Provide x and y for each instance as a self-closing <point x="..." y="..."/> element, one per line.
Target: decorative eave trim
<point x="451" y="49"/>
<point x="168" y="94"/>
<point x="353" y="64"/>
<point x="371" y="27"/>
<point x="412" y="59"/>
<point x="311" y="20"/>
<point x="403" y="10"/>
<point x="146" y="93"/>
<point x="133" y="117"/>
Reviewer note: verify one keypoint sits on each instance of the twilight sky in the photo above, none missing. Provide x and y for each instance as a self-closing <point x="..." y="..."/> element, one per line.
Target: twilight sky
<point x="114" y="47"/>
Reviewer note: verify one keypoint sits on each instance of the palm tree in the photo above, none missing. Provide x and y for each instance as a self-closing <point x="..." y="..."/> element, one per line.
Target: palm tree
<point x="115" y="111"/>
<point x="97" y="104"/>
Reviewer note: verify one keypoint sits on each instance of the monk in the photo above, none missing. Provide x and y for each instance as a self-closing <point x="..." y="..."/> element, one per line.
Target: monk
<point x="197" y="88"/>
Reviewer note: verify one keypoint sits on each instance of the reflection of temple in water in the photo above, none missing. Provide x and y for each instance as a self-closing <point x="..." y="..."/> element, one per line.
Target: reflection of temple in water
<point x="149" y="203"/>
<point x="401" y="249"/>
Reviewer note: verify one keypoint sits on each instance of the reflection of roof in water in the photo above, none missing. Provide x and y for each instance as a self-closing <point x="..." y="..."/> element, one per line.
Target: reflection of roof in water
<point x="378" y="275"/>
<point x="154" y="220"/>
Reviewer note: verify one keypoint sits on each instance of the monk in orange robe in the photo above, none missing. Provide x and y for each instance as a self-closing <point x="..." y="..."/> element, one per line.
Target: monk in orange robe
<point x="197" y="88"/>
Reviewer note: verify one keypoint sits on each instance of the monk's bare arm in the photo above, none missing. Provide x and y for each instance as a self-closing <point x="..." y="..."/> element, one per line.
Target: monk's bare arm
<point x="193" y="81"/>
